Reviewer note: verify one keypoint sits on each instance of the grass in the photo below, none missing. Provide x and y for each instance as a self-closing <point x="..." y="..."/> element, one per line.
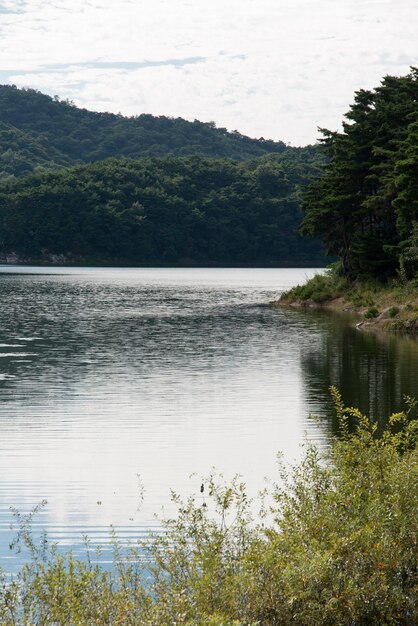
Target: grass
<point x="337" y="546"/>
<point x="371" y="299"/>
<point x="321" y="288"/>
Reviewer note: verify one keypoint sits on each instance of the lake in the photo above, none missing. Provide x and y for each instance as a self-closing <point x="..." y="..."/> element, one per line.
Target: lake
<point x="117" y="385"/>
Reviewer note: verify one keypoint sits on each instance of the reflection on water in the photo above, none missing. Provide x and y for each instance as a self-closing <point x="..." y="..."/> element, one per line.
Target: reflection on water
<point x="117" y="381"/>
<point x="373" y="371"/>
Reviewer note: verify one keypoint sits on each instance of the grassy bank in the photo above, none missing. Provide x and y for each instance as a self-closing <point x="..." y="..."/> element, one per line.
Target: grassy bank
<point x="390" y="306"/>
<point x="338" y="547"/>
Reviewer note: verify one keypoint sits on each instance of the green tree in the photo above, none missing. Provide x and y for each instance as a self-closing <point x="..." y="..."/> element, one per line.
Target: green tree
<point x="352" y="207"/>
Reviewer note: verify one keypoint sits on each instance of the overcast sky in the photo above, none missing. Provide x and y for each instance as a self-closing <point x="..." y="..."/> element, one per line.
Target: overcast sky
<point x="271" y="68"/>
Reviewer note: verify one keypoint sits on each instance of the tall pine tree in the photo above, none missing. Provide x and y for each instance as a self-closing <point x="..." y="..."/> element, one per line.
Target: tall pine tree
<point x="355" y="206"/>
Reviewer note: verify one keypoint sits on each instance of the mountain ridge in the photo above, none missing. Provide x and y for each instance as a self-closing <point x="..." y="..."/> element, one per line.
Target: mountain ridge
<point x="74" y="135"/>
<point x="83" y="187"/>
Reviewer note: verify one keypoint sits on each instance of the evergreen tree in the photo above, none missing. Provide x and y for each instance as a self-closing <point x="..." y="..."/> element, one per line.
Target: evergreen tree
<point x="353" y="207"/>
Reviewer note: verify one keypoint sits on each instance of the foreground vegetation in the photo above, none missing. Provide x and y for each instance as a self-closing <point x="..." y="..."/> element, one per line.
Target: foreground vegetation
<point x="337" y="546"/>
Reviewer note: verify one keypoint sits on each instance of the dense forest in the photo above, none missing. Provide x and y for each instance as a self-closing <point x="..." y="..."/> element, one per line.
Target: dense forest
<point x="365" y="205"/>
<point x="38" y="132"/>
<point x="362" y="200"/>
<point x="78" y="186"/>
<point x="171" y="210"/>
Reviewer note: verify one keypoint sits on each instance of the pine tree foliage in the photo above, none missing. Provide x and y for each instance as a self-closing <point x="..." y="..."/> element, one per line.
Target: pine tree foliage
<point x="365" y="204"/>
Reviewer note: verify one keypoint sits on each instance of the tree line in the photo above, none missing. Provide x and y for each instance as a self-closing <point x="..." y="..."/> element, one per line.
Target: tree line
<point x="38" y="133"/>
<point x="171" y="210"/>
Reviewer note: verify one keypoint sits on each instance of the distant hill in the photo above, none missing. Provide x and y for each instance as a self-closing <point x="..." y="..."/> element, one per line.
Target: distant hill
<point x="78" y="186"/>
<point x="39" y="133"/>
<point x="22" y="153"/>
<point x="162" y="211"/>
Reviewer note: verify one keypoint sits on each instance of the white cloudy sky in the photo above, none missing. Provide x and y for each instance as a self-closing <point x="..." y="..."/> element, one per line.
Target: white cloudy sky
<point x="272" y="68"/>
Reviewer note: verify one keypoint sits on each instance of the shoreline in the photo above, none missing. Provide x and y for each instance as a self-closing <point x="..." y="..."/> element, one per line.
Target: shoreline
<point x="339" y="305"/>
<point x="378" y="307"/>
<point x="181" y="264"/>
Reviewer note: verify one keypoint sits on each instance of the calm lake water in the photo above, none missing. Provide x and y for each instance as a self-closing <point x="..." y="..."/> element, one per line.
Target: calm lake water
<point x="117" y="384"/>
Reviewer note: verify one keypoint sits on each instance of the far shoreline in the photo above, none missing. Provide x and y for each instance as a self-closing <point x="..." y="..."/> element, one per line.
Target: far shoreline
<point x="109" y="263"/>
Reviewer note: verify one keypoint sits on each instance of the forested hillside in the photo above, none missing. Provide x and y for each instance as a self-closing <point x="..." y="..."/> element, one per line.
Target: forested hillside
<point x="79" y="186"/>
<point x="38" y="132"/>
<point x="172" y="210"/>
<point x="365" y="206"/>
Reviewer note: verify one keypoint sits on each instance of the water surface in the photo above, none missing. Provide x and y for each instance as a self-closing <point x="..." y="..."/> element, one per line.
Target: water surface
<point x="117" y="384"/>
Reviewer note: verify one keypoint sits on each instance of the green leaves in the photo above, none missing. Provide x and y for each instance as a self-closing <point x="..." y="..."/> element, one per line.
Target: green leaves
<point x="364" y="204"/>
<point x="188" y="211"/>
<point x="42" y="133"/>
<point x="338" y="545"/>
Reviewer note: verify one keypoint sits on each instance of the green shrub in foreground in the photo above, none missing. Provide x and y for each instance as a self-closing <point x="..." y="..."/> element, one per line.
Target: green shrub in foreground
<point x="338" y="546"/>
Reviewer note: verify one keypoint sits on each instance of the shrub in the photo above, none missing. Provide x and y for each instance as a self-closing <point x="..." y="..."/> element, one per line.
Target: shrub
<point x="321" y="296"/>
<point x="357" y="300"/>
<point x="320" y="288"/>
<point x="371" y="313"/>
<point x="338" y="546"/>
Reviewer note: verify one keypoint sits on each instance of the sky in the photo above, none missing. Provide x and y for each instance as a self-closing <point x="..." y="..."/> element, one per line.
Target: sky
<point x="277" y="69"/>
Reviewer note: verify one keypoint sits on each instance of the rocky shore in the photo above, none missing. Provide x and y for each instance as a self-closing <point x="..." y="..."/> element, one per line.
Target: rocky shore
<point x="375" y="306"/>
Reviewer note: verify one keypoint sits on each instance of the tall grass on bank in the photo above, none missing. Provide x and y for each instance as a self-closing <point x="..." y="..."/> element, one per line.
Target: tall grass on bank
<point x="395" y="301"/>
<point x="339" y="546"/>
<point x="320" y="288"/>
<point x="359" y="293"/>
